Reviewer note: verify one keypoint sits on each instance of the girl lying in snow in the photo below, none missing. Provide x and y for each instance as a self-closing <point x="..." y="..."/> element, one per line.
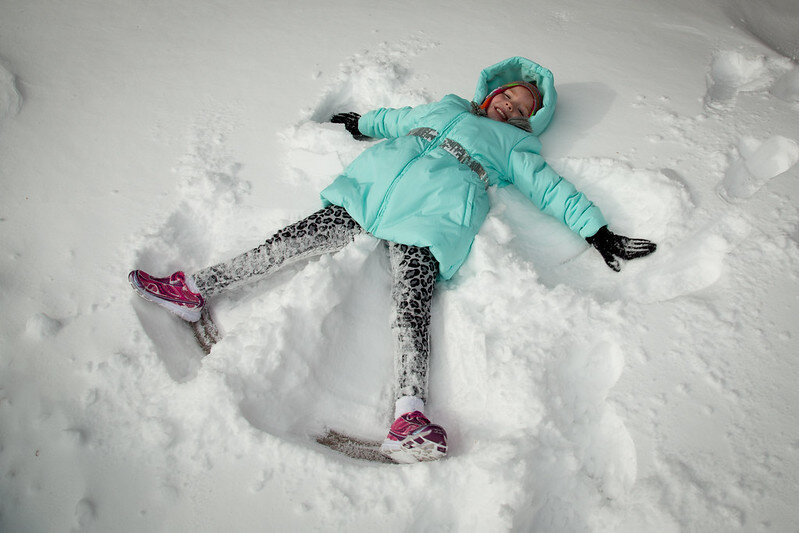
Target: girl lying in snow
<point x="423" y="191"/>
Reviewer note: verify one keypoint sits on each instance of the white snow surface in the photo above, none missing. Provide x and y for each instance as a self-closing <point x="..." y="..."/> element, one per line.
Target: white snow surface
<point x="176" y="134"/>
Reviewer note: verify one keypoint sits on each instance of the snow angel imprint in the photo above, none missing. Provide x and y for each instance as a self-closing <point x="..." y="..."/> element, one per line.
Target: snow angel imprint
<point x="423" y="191"/>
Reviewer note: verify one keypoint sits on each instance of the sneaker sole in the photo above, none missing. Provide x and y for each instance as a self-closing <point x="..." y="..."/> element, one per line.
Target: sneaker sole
<point x="189" y="315"/>
<point x="417" y="447"/>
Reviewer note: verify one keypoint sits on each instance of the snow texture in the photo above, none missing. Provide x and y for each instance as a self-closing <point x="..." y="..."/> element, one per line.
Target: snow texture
<point x="177" y="135"/>
<point x="10" y="99"/>
<point x="758" y="163"/>
<point x="775" y="22"/>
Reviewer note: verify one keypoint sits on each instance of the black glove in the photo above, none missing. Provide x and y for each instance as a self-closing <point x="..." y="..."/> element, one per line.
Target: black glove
<point x="614" y="247"/>
<point x="350" y="121"/>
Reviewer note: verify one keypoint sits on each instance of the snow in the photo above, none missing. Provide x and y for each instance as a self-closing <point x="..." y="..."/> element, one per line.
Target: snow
<point x="10" y="99"/>
<point x="772" y="21"/>
<point x="758" y="163"/>
<point x="576" y="399"/>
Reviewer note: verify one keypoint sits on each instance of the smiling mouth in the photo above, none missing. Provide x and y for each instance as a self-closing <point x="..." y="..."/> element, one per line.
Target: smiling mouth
<point x="502" y="115"/>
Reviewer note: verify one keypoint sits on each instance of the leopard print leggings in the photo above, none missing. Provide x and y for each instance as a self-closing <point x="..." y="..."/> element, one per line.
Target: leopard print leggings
<point x="328" y="230"/>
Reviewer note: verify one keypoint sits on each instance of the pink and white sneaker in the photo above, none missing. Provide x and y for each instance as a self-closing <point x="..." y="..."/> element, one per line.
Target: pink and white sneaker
<point x="412" y="438"/>
<point x="177" y="293"/>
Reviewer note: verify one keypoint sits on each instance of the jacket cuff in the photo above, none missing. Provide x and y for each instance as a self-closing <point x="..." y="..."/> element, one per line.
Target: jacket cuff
<point x="597" y="235"/>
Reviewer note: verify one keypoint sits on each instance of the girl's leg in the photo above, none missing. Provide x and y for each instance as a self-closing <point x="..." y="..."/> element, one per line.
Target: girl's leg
<point x="327" y="230"/>
<point x="412" y="437"/>
<point x="414" y="272"/>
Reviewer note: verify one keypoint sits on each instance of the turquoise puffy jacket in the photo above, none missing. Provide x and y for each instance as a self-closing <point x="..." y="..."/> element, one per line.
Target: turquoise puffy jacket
<point x="426" y="185"/>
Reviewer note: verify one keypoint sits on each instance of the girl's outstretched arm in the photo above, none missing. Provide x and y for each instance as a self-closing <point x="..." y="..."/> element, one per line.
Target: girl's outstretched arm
<point x="556" y="196"/>
<point x="553" y="194"/>
<point x="389" y="123"/>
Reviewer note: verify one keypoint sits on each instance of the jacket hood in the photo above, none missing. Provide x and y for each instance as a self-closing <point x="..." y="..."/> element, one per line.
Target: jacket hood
<point x="520" y="68"/>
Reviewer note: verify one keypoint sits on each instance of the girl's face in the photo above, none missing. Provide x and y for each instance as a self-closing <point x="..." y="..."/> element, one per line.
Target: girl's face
<point x="516" y="102"/>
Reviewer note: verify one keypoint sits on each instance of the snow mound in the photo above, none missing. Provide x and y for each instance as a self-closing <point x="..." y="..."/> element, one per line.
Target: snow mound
<point x="731" y="72"/>
<point x="40" y="326"/>
<point x="10" y="99"/>
<point x="759" y="162"/>
<point x="692" y="263"/>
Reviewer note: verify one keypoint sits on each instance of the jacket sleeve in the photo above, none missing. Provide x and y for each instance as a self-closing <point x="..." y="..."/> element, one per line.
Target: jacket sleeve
<point x="386" y="122"/>
<point x="553" y="194"/>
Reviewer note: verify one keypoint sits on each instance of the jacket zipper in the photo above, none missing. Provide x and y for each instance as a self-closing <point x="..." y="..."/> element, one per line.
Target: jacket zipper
<point x="433" y="144"/>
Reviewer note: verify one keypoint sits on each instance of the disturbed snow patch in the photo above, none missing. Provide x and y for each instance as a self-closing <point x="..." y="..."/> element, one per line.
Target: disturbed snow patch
<point x="378" y="78"/>
<point x="542" y="361"/>
<point x="318" y="150"/>
<point x="655" y="204"/>
<point x="207" y="215"/>
<point x="207" y="204"/>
